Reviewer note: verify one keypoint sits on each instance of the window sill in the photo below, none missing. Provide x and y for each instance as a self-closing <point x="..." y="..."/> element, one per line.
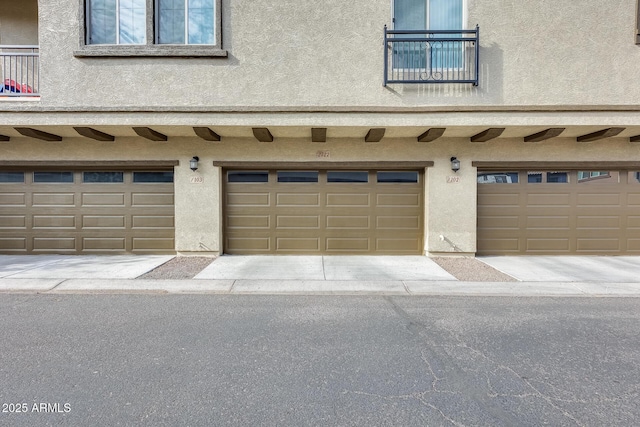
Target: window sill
<point x="150" y="51"/>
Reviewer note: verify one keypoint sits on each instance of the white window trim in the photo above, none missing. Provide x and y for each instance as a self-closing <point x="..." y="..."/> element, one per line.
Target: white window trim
<point x="151" y="48"/>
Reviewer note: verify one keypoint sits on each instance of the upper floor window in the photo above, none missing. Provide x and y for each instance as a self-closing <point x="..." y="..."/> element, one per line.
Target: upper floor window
<point x="186" y="22"/>
<point x="116" y="21"/>
<point x="151" y="28"/>
<point x="428" y="14"/>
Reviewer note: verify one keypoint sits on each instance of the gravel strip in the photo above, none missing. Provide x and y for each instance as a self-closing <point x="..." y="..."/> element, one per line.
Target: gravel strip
<point x="471" y="270"/>
<point x="180" y="267"/>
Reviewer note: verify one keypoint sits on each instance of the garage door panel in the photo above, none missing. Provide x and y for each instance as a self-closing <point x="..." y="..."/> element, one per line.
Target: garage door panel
<point x="13" y="244"/>
<point x="600" y="199"/>
<point x="103" y="222"/>
<point x="633" y="199"/>
<point x="497" y="200"/>
<point x="155" y="222"/>
<point x="13" y="222"/>
<point x="347" y="222"/>
<point x="297" y="199"/>
<point x="103" y="199"/>
<point x="298" y="244"/>
<point x="598" y="222"/>
<point x="398" y="200"/>
<point x="348" y="200"/>
<point x="498" y="245"/>
<point x="13" y="199"/>
<point x="633" y="245"/>
<point x="53" y="199"/>
<point x="104" y="244"/>
<point x="547" y="222"/>
<point x="404" y="222"/>
<point x="54" y="221"/>
<point x="540" y="200"/>
<point x="355" y="244"/>
<point x="62" y="244"/>
<point x="633" y="221"/>
<point x="249" y="221"/>
<point x="248" y="199"/>
<point x="400" y="246"/>
<point x="250" y="244"/>
<point x="297" y="222"/>
<point x="152" y="199"/>
<point x="548" y="244"/>
<point x="598" y="245"/>
<point x="151" y="244"/>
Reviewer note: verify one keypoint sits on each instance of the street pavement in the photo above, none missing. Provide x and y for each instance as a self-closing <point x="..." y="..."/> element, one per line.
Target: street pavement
<point x="365" y="360"/>
<point x="390" y="275"/>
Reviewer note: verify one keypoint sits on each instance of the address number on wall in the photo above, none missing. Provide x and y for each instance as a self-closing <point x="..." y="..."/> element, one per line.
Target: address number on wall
<point x="196" y="179"/>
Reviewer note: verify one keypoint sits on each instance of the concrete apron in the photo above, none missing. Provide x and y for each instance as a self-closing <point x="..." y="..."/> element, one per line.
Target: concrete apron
<point x="619" y="269"/>
<point x="388" y="275"/>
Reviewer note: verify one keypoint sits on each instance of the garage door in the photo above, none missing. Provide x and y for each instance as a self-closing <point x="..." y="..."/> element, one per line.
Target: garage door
<point x="559" y="212"/>
<point x="79" y="212"/>
<point x="323" y="212"/>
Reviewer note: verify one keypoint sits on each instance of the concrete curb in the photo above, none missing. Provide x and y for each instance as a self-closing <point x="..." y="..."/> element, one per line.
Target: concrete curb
<point x="319" y="287"/>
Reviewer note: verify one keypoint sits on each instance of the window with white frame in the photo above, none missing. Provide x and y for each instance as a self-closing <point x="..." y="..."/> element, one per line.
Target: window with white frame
<point x="151" y="27"/>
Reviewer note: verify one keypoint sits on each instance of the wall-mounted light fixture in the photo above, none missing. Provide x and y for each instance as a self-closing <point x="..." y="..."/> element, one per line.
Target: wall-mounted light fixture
<point x="193" y="163"/>
<point x="455" y="164"/>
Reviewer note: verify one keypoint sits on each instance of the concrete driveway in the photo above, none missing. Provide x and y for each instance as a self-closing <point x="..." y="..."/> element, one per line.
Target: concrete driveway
<point x="339" y="268"/>
<point x="622" y="269"/>
<point x="78" y="266"/>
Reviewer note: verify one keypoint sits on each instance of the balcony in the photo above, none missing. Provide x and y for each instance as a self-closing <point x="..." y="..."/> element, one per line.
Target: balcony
<point x="19" y="71"/>
<point x="436" y="56"/>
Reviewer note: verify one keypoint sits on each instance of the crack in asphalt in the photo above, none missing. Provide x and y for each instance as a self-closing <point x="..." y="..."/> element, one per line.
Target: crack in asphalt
<point x="487" y="398"/>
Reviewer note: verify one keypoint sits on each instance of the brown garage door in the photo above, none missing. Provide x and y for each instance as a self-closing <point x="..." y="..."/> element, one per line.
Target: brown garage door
<point x="76" y="212"/>
<point x="558" y="212"/>
<point x="323" y="212"/>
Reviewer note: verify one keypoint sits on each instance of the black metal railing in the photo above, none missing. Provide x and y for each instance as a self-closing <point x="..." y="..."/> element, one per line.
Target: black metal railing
<point x="436" y="56"/>
<point x="19" y="71"/>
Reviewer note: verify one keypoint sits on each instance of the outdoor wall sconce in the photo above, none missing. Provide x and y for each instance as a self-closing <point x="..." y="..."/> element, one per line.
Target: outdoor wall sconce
<point x="455" y="164"/>
<point x="193" y="163"/>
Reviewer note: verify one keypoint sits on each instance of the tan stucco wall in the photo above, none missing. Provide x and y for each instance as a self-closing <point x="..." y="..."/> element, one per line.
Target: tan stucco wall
<point x="296" y="53"/>
<point x="450" y="207"/>
<point x="18" y="22"/>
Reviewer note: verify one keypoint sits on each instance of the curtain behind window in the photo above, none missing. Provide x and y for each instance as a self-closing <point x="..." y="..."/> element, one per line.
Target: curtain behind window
<point x="186" y="22"/>
<point x="117" y="21"/>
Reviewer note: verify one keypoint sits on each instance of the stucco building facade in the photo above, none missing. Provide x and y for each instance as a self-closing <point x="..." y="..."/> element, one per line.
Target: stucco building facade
<point x="315" y="131"/>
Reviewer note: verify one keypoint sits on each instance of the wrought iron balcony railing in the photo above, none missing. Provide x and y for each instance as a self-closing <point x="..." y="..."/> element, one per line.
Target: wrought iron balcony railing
<point x="437" y="56"/>
<point x="19" y="71"/>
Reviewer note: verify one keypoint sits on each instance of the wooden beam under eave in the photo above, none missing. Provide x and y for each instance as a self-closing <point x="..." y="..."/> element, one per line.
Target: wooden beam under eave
<point x="150" y="134"/>
<point x="262" y="134"/>
<point x="431" y="134"/>
<point x="38" y="134"/>
<point x="94" y="134"/>
<point x="545" y="134"/>
<point x="318" y="134"/>
<point x="487" y="135"/>
<point x="207" y="134"/>
<point x="374" y="135"/>
<point x="4" y="138"/>
<point x="635" y="138"/>
<point x="601" y="134"/>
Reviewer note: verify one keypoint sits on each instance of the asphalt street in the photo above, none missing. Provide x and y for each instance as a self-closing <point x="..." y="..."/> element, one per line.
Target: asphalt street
<point x="318" y="360"/>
